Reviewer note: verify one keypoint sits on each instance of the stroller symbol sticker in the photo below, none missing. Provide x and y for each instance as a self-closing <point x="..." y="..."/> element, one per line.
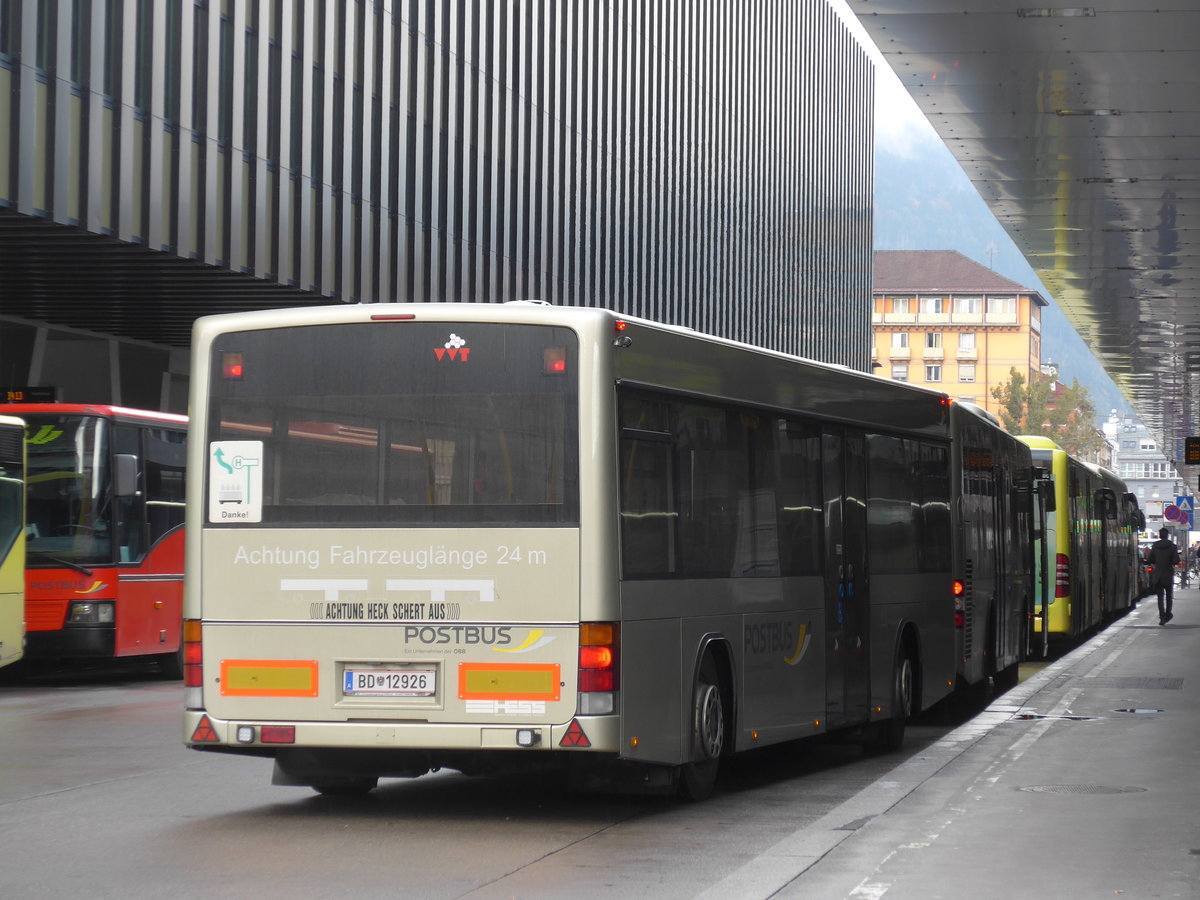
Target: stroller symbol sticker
<point x="235" y="481"/>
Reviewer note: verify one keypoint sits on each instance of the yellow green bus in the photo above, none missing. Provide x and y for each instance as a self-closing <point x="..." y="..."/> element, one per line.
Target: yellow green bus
<point x="12" y="539"/>
<point x="1091" y="545"/>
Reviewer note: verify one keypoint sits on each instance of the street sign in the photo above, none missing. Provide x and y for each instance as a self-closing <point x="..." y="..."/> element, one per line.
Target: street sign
<point x="1171" y="512"/>
<point x="1187" y="508"/>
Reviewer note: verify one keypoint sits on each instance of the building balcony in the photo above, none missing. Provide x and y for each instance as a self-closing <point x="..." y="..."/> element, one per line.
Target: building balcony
<point x="894" y="318"/>
<point x="964" y="353"/>
<point x="962" y="318"/>
<point x="933" y="318"/>
<point x="899" y="353"/>
<point x="995" y="318"/>
<point x="933" y="353"/>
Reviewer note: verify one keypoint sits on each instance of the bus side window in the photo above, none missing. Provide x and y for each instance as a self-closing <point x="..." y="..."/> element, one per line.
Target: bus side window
<point x="648" y="516"/>
<point x="799" y="498"/>
<point x="165" y="460"/>
<point x="128" y="511"/>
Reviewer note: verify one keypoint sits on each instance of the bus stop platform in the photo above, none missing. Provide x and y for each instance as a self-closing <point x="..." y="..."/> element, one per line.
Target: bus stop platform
<point x="1081" y="782"/>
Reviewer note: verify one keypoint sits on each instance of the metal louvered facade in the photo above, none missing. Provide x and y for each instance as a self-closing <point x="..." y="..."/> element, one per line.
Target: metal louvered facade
<point x="707" y="164"/>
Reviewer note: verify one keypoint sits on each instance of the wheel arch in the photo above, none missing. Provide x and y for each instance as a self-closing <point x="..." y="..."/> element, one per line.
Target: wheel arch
<point x="908" y="639"/>
<point x="718" y="646"/>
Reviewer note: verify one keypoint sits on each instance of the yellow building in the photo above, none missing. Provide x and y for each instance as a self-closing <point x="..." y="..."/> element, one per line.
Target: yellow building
<point x="944" y="321"/>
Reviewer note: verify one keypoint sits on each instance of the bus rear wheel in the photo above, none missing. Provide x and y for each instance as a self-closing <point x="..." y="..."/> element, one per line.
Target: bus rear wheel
<point x="889" y="735"/>
<point x="698" y="777"/>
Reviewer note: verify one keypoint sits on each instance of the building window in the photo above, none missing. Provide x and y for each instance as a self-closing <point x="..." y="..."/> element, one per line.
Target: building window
<point x="966" y="373"/>
<point x="933" y="339"/>
<point x="968" y="305"/>
<point x="900" y="339"/>
<point x="1002" y="305"/>
<point x="933" y="373"/>
<point x="900" y="373"/>
<point x="933" y="305"/>
<point x="900" y="305"/>
<point x="966" y="341"/>
<point x="1147" y="445"/>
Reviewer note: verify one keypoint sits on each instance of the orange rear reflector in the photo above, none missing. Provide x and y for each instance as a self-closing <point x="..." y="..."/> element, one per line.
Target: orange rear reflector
<point x="269" y="678"/>
<point x="574" y="736"/>
<point x="511" y="681"/>
<point x="204" y="733"/>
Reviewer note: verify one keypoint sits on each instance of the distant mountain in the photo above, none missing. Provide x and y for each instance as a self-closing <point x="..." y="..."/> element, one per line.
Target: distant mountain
<point x="924" y="201"/>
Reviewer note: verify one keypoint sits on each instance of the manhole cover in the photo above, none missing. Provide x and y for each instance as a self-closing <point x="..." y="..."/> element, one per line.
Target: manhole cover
<point x="1139" y="710"/>
<point x="1078" y="789"/>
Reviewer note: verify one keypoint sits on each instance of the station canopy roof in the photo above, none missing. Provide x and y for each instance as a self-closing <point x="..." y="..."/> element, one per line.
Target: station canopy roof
<point x="1080" y="127"/>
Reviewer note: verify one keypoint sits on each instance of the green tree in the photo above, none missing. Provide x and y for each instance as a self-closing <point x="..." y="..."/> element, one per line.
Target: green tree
<point x="1030" y="407"/>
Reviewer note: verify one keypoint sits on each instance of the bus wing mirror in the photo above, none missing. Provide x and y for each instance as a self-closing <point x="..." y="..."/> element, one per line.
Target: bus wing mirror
<point x="1046" y="492"/>
<point x="125" y="475"/>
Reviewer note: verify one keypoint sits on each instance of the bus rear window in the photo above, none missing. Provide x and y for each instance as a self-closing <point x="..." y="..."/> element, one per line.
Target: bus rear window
<point x="405" y="423"/>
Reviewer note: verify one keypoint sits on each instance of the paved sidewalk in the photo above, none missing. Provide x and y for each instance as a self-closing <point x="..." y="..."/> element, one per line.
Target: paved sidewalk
<point x="1081" y="782"/>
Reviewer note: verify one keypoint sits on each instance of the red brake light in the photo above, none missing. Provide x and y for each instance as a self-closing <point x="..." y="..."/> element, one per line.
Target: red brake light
<point x="595" y="657"/>
<point x="232" y="367"/>
<point x="555" y="360"/>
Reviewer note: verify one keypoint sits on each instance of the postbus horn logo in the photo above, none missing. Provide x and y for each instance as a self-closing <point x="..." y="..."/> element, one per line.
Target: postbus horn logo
<point x="456" y="348"/>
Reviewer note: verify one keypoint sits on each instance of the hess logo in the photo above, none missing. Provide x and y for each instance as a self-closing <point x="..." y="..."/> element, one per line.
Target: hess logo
<point x="455" y="349"/>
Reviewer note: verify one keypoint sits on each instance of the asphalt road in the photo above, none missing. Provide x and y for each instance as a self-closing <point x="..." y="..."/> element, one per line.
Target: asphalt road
<point x="99" y="798"/>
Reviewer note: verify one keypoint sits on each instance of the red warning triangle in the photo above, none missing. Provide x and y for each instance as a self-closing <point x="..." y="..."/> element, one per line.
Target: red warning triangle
<point x="204" y="733"/>
<point x="574" y="736"/>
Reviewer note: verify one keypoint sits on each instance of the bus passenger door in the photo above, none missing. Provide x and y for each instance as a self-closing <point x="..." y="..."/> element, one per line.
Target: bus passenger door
<point x="847" y="606"/>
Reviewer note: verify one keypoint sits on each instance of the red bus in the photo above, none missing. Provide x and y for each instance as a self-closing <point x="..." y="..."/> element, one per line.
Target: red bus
<point x="104" y="532"/>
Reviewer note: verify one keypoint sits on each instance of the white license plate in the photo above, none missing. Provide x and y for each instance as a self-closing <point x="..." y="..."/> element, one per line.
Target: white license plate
<point x="389" y="682"/>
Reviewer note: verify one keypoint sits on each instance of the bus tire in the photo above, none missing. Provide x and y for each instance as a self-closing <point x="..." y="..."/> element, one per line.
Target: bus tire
<point x="348" y="786"/>
<point x="889" y="735"/>
<point x="1007" y="679"/>
<point x="698" y="777"/>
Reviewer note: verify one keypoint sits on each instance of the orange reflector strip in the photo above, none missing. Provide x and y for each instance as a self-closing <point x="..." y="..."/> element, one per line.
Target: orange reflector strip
<point x="269" y="678"/>
<point x="574" y="736"/>
<point x="512" y="681"/>
<point x="204" y="733"/>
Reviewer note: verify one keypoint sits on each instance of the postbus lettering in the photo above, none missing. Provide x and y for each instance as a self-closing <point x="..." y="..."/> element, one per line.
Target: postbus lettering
<point x="488" y="635"/>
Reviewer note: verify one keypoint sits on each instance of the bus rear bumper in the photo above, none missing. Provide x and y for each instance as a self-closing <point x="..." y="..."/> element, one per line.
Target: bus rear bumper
<point x="203" y="731"/>
<point x="72" y="643"/>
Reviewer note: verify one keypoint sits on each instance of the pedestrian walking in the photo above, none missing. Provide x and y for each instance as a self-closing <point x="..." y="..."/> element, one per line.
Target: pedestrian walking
<point x="1164" y="556"/>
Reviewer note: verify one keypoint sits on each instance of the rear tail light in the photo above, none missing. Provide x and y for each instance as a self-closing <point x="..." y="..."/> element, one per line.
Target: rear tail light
<point x="1062" y="577"/>
<point x="598" y="672"/>
<point x="960" y="617"/>
<point x="193" y="665"/>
